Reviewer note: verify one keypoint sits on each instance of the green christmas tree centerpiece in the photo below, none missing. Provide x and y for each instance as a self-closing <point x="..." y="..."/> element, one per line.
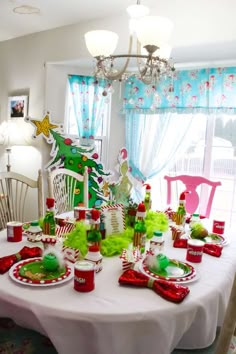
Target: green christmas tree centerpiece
<point x="67" y="153"/>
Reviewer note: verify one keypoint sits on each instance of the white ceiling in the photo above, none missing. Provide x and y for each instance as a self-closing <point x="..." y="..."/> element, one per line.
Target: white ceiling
<point x="208" y="26"/>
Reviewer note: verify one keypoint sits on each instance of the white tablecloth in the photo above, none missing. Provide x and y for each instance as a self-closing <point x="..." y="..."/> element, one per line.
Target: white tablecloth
<point x="115" y="319"/>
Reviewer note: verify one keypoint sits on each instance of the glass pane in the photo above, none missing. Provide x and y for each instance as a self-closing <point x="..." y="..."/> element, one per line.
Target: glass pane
<point x="224" y="167"/>
<point x="191" y="162"/>
<point x="224" y="146"/>
<point x="98" y="147"/>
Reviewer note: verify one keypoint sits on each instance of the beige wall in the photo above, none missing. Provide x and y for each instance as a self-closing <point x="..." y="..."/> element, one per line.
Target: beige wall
<point x="29" y="66"/>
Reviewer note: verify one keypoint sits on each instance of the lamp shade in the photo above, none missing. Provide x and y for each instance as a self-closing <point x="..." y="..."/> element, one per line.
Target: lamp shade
<point x="164" y="51"/>
<point x="154" y="30"/>
<point x="101" y="43"/>
<point x="14" y="133"/>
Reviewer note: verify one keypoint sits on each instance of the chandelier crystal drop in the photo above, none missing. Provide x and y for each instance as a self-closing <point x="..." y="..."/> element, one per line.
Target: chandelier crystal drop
<point x="152" y="50"/>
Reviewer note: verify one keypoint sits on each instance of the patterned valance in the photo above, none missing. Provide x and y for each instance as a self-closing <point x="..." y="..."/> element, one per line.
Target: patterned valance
<point x="203" y="89"/>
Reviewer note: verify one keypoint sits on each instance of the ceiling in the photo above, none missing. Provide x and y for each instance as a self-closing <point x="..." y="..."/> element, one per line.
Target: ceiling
<point x="208" y="26"/>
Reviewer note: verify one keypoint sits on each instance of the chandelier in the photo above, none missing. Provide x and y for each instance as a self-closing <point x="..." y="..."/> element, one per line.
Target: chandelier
<point x="152" y="49"/>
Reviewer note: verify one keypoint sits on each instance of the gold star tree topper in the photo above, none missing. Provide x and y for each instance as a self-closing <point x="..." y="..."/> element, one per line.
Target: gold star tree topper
<point x="43" y="126"/>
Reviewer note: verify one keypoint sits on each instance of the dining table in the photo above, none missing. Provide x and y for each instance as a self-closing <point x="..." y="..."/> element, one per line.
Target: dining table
<point x="116" y="319"/>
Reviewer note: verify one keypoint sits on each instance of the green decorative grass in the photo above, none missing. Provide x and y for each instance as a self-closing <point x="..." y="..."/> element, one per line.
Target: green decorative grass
<point x="113" y="245"/>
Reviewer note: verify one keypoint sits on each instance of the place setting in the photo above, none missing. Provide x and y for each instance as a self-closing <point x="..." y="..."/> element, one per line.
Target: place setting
<point x="48" y="270"/>
<point x="162" y="268"/>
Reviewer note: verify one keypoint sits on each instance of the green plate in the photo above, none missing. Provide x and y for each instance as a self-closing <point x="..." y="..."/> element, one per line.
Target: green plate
<point x="32" y="272"/>
<point x="38" y="268"/>
<point x="175" y="269"/>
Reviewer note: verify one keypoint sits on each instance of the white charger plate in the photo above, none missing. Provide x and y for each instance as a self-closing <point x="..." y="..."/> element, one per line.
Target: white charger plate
<point x="177" y="280"/>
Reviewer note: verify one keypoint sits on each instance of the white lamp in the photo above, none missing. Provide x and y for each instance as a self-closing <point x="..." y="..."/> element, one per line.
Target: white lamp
<point x="12" y="133"/>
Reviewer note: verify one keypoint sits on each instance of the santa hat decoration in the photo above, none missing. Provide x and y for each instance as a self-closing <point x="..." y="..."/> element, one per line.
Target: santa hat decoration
<point x="182" y="197"/>
<point x="141" y="211"/>
<point x="95" y="216"/>
<point x="148" y="187"/>
<point x="50" y="202"/>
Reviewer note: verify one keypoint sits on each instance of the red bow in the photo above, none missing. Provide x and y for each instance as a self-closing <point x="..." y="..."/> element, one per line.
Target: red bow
<point x="24" y="253"/>
<point x="167" y="290"/>
<point x="213" y="250"/>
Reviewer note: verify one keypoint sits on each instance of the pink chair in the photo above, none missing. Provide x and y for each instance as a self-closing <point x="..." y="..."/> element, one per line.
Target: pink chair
<point x="191" y="183"/>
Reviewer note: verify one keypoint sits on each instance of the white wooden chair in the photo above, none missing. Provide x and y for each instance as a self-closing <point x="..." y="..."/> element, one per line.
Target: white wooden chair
<point x="14" y="189"/>
<point x="63" y="185"/>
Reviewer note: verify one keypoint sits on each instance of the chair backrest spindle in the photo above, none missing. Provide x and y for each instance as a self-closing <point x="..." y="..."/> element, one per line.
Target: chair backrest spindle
<point x="63" y="186"/>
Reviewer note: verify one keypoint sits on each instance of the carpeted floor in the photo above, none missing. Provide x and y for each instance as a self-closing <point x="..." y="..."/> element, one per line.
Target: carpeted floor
<point x="209" y="350"/>
<point x="17" y="340"/>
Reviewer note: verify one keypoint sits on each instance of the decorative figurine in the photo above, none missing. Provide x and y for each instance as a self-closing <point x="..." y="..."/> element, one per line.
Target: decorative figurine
<point x="147" y="198"/>
<point x="49" y="222"/>
<point x="140" y="228"/>
<point x="181" y="211"/>
<point x="94" y="235"/>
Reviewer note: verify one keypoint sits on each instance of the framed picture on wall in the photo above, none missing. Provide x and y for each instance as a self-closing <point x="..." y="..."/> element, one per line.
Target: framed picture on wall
<point x="17" y="106"/>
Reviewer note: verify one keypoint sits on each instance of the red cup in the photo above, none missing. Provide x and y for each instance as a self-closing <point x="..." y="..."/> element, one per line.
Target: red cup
<point x="14" y="231"/>
<point x="195" y="251"/>
<point x="218" y="227"/>
<point x="84" y="276"/>
<point x="79" y="213"/>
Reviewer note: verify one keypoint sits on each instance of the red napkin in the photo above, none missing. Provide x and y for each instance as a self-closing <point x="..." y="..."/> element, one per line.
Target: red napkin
<point x="169" y="291"/>
<point x="25" y="253"/>
<point x="212" y="250"/>
<point x="180" y="243"/>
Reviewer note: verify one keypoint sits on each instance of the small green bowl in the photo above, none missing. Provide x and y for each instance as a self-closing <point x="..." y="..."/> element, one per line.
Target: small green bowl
<point x="162" y="261"/>
<point x="50" y="262"/>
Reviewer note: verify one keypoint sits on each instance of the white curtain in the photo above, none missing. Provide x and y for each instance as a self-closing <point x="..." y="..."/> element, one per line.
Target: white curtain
<point x="153" y="141"/>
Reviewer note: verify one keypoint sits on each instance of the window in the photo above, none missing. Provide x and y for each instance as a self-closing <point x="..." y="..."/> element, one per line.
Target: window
<point x="210" y="152"/>
<point x="101" y="137"/>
